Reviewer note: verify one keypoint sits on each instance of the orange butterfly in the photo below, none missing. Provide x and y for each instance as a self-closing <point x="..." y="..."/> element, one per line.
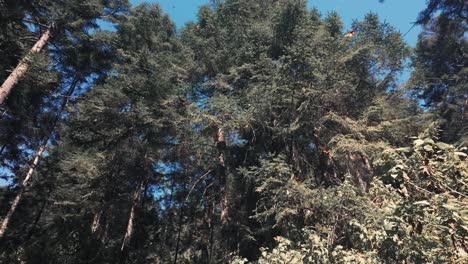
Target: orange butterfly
<point x="324" y="149"/>
<point x="183" y="102"/>
<point x="350" y="34"/>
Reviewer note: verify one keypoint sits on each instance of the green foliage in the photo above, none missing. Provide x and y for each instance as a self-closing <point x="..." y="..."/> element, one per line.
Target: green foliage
<point x="261" y="133"/>
<point x="75" y="51"/>
<point x="432" y="177"/>
<point x="440" y="76"/>
<point x="414" y="212"/>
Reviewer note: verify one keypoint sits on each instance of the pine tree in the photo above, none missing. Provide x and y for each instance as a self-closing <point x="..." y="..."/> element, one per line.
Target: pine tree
<point x="440" y="63"/>
<point x="23" y="66"/>
<point x="298" y="93"/>
<point x="65" y="22"/>
<point x="28" y="113"/>
<point x="34" y="110"/>
<point x="36" y="159"/>
<point x="115" y="124"/>
<point x="261" y="132"/>
<point x="23" y="114"/>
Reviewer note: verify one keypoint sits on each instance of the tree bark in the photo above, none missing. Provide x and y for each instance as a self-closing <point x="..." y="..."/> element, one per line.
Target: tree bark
<point x="96" y="226"/>
<point x="178" y="235"/>
<point x="31" y="170"/>
<point x="17" y="199"/>
<point x="38" y="216"/>
<point x="225" y="206"/>
<point x="211" y="242"/>
<point x="22" y="67"/>
<point x="131" y="220"/>
<point x="221" y="145"/>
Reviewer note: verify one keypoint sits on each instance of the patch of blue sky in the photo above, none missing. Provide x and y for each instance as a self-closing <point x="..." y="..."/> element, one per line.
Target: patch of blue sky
<point x="399" y="13"/>
<point x="167" y="167"/>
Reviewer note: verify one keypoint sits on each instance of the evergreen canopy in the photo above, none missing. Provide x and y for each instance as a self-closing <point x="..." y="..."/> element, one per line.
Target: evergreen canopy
<point x="263" y="132"/>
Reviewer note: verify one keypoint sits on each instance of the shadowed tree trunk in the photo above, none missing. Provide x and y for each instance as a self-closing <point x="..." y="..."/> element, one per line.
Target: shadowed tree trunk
<point x="178" y="235"/>
<point x="211" y="227"/>
<point x="22" y="66"/>
<point x="35" y="162"/>
<point x="96" y="226"/>
<point x="38" y="216"/>
<point x="131" y="220"/>
<point x="18" y="196"/>
<point x="221" y="145"/>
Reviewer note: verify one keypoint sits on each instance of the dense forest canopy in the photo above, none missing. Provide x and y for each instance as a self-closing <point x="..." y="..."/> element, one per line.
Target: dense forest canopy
<point x="262" y="132"/>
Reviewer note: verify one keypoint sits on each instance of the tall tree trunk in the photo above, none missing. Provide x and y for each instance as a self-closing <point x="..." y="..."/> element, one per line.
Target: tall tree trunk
<point x="100" y="215"/>
<point x="178" y="235"/>
<point x="131" y="220"/>
<point x="37" y="157"/>
<point x="17" y="199"/>
<point x="2" y="149"/>
<point x="211" y="242"/>
<point x="96" y="226"/>
<point x="221" y="145"/>
<point x="22" y="67"/>
<point x="165" y="234"/>
<point x="38" y="216"/>
<point x="225" y="206"/>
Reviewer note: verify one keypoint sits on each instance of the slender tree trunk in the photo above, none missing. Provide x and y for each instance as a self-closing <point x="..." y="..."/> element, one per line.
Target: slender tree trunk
<point x="38" y="217"/>
<point x="221" y="145"/>
<point x="22" y="67"/>
<point x="178" y="235"/>
<point x="145" y="194"/>
<point x="225" y="206"/>
<point x="164" y="234"/>
<point x="96" y="226"/>
<point x="17" y="199"/>
<point x="31" y="170"/>
<point x="464" y="106"/>
<point x="2" y="149"/>
<point x="210" y="256"/>
<point x="131" y="220"/>
<point x="181" y="218"/>
<point x="99" y="224"/>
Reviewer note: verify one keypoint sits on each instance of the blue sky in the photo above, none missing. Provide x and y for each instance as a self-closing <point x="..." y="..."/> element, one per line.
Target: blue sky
<point x="399" y="13"/>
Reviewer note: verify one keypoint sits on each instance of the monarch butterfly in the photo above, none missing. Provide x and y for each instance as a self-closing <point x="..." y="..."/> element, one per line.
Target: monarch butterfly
<point x="183" y="102"/>
<point x="350" y="34"/>
<point x="324" y="149"/>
